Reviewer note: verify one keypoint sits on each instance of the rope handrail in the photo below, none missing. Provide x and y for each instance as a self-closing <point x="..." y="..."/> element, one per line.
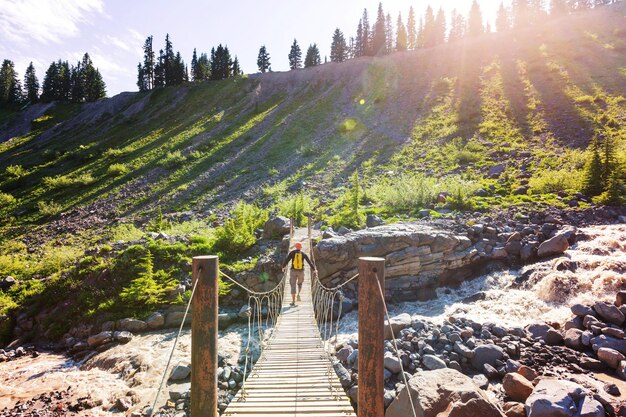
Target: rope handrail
<point x="395" y="346"/>
<point x="180" y="329"/>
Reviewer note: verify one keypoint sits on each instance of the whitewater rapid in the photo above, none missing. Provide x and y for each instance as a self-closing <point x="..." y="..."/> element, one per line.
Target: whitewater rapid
<point x="598" y="261"/>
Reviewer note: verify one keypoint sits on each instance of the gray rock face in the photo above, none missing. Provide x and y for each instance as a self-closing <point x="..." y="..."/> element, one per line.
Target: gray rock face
<point x="373" y="220"/>
<point x="538" y="331"/>
<point x="582" y="310"/>
<point x="123" y="336"/>
<point x="417" y="257"/>
<point x="573" y="339"/>
<point x="553" y="246"/>
<point x="344" y="353"/>
<point x="609" y="312"/>
<point x="276" y="227"/>
<point x="604" y="341"/>
<point x="343" y="374"/>
<point x="444" y="391"/>
<point x="392" y="363"/>
<point x="486" y="354"/>
<point x="558" y="398"/>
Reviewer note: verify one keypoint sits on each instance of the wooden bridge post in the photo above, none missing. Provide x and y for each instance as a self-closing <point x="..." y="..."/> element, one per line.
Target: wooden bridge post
<point x="204" y="337"/>
<point x="371" y="337"/>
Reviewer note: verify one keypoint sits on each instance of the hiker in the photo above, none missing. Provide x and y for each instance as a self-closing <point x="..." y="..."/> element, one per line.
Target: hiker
<point x="296" y="275"/>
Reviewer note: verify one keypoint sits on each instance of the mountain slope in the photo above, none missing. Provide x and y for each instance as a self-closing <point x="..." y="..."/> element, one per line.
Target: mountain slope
<point x="542" y="90"/>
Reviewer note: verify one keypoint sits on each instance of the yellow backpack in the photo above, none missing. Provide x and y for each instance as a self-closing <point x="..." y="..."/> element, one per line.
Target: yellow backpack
<point x="298" y="260"/>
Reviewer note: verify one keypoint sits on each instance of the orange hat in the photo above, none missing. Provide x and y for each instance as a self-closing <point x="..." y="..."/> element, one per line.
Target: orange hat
<point x="298" y="245"/>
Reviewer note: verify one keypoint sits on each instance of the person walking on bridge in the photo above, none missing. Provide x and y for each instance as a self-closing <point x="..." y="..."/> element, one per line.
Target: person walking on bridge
<point x="296" y="274"/>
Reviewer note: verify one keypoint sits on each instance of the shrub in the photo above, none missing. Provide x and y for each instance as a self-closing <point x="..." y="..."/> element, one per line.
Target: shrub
<point x="6" y="200"/>
<point x="148" y="288"/>
<point x="158" y="224"/>
<point x="15" y="171"/>
<point x="405" y="192"/>
<point x="306" y="150"/>
<point x="116" y="170"/>
<point x="64" y="181"/>
<point x="295" y="207"/>
<point x="115" y="153"/>
<point x="554" y="181"/>
<point x="173" y="160"/>
<point x="237" y="233"/>
<point x="349" y="212"/>
<point x="49" y="208"/>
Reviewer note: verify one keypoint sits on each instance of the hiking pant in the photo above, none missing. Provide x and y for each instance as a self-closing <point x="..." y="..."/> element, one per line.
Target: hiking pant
<point x="296" y="276"/>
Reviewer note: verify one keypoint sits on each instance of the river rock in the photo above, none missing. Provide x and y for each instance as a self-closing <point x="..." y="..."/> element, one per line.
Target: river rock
<point x="124" y="403"/>
<point x="132" y="325"/>
<point x="433" y="362"/>
<point x="174" y="318"/>
<point x="609" y="312"/>
<point x="527" y="372"/>
<point x="443" y="393"/>
<point x="555" y="398"/>
<point x="463" y="350"/>
<point x="517" y="387"/>
<point x="397" y="323"/>
<point x="553" y="246"/>
<point x="155" y="320"/>
<point x="553" y="338"/>
<point x="100" y="339"/>
<point x="582" y="310"/>
<point x="392" y="363"/>
<point x="180" y="372"/>
<point x="343" y="353"/>
<point x="486" y="354"/>
<point x="7" y="282"/>
<point x="610" y="356"/>
<point x="344" y="376"/>
<point x="481" y="381"/>
<point x="538" y="330"/>
<point x="276" y="227"/>
<point x="604" y="341"/>
<point x="123" y="336"/>
<point x="513" y="409"/>
<point x="620" y="298"/>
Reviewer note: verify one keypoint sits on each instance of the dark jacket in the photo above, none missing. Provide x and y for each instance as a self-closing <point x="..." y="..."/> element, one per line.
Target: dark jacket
<point x="291" y="255"/>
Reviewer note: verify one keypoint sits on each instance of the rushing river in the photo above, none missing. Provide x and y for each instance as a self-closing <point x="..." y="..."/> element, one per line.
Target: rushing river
<point x="544" y="292"/>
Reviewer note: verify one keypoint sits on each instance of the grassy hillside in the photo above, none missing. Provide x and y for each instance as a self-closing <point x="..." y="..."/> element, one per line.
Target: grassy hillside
<point x="412" y="125"/>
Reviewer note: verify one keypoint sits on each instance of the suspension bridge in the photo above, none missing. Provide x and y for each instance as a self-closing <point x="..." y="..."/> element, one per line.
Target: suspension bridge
<point x="293" y="375"/>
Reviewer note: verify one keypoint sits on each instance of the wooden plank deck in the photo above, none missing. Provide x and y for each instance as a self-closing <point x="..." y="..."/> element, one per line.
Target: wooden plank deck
<point x="291" y="378"/>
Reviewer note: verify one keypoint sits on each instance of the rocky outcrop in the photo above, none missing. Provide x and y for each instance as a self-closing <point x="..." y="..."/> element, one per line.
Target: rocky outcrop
<point x="442" y="393"/>
<point x="418" y="258"/>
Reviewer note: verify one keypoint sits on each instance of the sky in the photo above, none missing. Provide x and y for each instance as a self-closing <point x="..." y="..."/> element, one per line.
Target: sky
<point x="113" y="31"/>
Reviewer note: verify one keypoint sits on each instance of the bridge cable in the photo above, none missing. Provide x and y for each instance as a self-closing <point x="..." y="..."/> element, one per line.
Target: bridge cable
<point x="180" y="329"/>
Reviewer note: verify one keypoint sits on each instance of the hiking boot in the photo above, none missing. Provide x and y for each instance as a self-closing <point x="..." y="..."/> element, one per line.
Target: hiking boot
<point x="292" y="304"/>
<point x="299" y="299"/>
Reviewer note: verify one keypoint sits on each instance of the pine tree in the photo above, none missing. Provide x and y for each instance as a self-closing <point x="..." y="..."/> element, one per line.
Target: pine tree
<point x="457" y="27"/>
<point x="203" y="67"/>
<point x="338" y="47"/>
<point x="351" y="49"/>
<point x="592" y="181"/>
<point x="141" y="78"/>
<point x="439" y="29"/>
<point x="159" y="70"/>
<point x="168" y="62"/>
<point x="389" y="34"/>
<point x="537" y="12"/>
<point x="78" y="83"/>
<point x="263" y="59"/>
<point x="358" y="44"/>
<point x="10" y="86"/>
<point x="194" y="65"/>
<point x="379" y="39"/>
<point x="608" y="156"/>
<point x="295" y="56"/>
<point x="366" y="40"/>
<point x="401" y="36"/>
<point x="428" y="30"/>
<point x="92" y="87"/>
<point x="411" y="30"/>
<point x="503" y="21"/>
<point x="475" y="20"/>
<point x="312" y="56"/>
<point x="236" y="71"/>
<point x="558" y="8"/>
<point x="221" y="63"/>
<point x="148" y="63"/>
<point x="520" y="13"/>
<point x="31" y="84"/>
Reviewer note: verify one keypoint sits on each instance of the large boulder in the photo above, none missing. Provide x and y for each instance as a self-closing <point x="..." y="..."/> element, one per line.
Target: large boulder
<point x="486" y="354"/>
<point x="132" y="325"/>
<point x="609" y="312"/>
<point x="276" y="227"/>
<point x="443" y="393"/>
<point x="517" y="387"/>
<point x="553" y="246"/>
<point x="100" y="339"/>
<point x="559" y="398"/>
<point x="397" y="323"/>
<point x="604" y="341"/>
<point x="610" y="356"/>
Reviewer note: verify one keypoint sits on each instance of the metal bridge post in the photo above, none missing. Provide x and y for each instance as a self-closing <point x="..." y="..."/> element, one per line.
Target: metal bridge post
<point x="204" y="337"/>
<point x="371" y="337"/>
